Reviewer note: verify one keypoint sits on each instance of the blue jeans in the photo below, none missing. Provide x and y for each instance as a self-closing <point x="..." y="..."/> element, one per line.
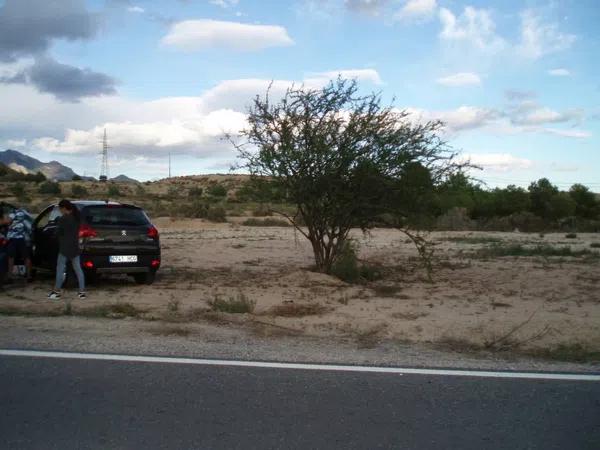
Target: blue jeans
<point x="61" y="266"/>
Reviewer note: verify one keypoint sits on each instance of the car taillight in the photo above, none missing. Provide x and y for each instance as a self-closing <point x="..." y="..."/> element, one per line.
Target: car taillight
<point x="88" y="265"/>
<point x="152" y="232"/>
<point x="155" y="263"/>
<point x="3" y="242"/>
<point x="85" y="231"/>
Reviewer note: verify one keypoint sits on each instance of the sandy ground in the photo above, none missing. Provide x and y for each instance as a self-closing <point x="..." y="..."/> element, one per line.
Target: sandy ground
<point x="526" y="302"/>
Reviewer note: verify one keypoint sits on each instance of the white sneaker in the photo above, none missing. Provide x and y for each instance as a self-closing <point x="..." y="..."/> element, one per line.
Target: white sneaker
<point x="53" y="295"/>
<point x="81" y="295"/>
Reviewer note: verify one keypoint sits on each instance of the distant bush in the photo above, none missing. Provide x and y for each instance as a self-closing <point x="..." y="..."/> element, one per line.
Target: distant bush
<point x="49" y="187"/>
<point x="113" y="191"/>
<point x="538" y="250"/>
<point x="79" y="191"/>
<point x="18" y="190"/>
<point x="195" y="192"/>
<point x="262" y="210"/>
<point x="571" y="236"/>
<point x="595" y="245"/>
<point x="216" y="214"/>
<point x="140" y="191"/>
<point x="269" y="222"/>
<point x="217" y="190"/>
<point x="76" y="178"/>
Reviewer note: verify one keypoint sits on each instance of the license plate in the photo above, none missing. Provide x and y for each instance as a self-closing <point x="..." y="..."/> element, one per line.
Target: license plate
<point x="123" y="259"/>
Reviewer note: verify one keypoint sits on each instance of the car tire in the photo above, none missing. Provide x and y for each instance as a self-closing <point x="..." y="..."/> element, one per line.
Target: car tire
<point x="144" y="278"/>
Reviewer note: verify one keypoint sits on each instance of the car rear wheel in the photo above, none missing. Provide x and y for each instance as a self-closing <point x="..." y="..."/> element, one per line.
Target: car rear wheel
<point x="144" y="278"/>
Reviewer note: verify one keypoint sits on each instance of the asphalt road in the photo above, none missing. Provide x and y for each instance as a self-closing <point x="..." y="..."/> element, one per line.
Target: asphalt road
<point x="83" y="404"/>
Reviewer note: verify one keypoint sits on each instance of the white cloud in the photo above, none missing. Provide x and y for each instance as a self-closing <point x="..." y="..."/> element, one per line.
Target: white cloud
<point x="321" y="78"/>
<point x="474" y="26"/>
<point x="569" y="133"/>
<point x="455" y="120"/>
<point x="417" y="9"/>
<point x="225" y="3"/>
<point x="136" y="9"/>
<point x="559" y="72"/>
<point x="498" y="162"/>
<point x="460" y="79"/>
<point x="539" y="39"/>
<point x="194" y="35"/>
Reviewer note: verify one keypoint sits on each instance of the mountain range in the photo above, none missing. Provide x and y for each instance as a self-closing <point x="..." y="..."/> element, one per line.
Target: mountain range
<point x="53" y="170"/>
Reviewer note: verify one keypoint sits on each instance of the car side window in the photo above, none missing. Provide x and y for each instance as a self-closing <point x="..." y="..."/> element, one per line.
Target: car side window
<point x="50" y="215"/>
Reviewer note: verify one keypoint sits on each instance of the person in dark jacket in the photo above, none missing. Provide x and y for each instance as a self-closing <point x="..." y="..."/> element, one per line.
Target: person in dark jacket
<point x="68" y="248"/>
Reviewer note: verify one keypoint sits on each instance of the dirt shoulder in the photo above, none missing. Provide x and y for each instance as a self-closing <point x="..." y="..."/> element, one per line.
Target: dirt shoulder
<point x="259" y="343"/>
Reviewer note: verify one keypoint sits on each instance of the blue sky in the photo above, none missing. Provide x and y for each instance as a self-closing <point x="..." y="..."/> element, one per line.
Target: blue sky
<point x="515" y="81"/>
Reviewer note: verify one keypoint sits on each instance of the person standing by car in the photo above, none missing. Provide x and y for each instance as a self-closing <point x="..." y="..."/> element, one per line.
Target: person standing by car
<point x="68" y="248"/>
<point x="19" y="240"/>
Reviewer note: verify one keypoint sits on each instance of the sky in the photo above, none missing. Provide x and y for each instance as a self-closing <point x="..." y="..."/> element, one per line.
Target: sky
<point x="515" y="82"/>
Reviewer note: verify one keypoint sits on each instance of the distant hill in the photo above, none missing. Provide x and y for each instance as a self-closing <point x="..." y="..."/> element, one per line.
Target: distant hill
<point x="19" y="162"/>
<point x="124" y="179"/>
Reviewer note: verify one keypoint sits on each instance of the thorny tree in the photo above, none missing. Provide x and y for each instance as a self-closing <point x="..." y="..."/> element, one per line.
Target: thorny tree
<point x="341" y="158"/>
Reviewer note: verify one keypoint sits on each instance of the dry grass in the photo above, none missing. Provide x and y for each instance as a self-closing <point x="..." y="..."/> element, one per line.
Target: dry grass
<point x="113" y="311"/>
<point x="409" y="316"/>
<point x="169" y="330"/>
<point x="239" y="304"/>
<point x="297" y="310"/>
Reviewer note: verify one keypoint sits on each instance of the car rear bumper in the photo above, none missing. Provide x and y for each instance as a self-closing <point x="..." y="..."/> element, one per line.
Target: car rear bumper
<point x="101" y="264"/>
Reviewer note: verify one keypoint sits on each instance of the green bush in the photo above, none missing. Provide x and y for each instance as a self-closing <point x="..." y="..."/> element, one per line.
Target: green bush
<point x="18" y="190"/>
<point x="195" y="192"/>
<point x="217" y="190"/>
<point x="216" y="214"/>
<point x="240" y="304"/>
<point x="76" y="178"/>
<point x="269" y="222"/>
<point x="79" y="191"/>
<point x="49" y="187"/>
<point x="262" y="210"/>
<point x="113" y="191"/>
<point x="346" y="267"/>
<point x="571" y="236"/>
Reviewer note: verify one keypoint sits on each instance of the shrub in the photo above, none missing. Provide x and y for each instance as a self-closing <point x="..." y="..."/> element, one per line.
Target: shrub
<point x="239" y="304"/>
<point x="345" y="267"/>
<point x="216" y="214"/>
<point x="79" y="191"/>
<point x="217" y="190"/>
<point x="296" y="310"/>
<point x="571" y="236"/>
<point x="76" y="178"/>
<point x="595" y="245"/>
<point x="538" y="250"/>
<point x="113" y="191"/>
<point x="195" y="192"/>
<point x="262" y="210"/>
<point x="49" y="187"/>
<point x="140" y="191"/>
<point x="269" y="222"/>
<point x="18" y="190"/>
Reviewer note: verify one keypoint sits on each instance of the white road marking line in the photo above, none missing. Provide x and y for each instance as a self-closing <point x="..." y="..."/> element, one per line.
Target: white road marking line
<point x="301" y="366"/>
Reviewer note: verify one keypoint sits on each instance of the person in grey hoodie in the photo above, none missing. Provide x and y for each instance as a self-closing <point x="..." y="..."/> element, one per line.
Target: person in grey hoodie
<point x="68" y="248"/>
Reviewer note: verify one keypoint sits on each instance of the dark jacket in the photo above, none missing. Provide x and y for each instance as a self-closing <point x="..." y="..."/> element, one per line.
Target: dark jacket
<point x="68" y="236"/>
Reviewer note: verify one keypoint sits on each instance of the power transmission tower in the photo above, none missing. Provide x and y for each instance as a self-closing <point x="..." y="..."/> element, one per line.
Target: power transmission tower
<point x="104" y="167"/>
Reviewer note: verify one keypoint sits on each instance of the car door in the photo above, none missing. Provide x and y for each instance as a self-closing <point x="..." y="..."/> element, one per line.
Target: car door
<point x="45" y="238"/>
